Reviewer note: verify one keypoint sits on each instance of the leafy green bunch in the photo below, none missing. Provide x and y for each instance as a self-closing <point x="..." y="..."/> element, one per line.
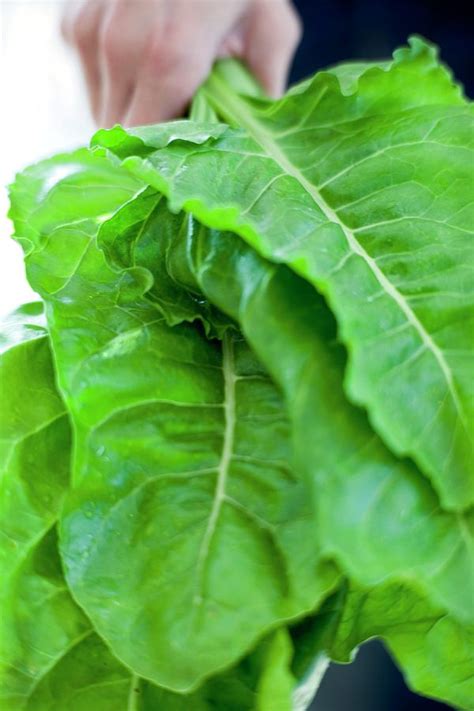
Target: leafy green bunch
<point x="239" y="444"/>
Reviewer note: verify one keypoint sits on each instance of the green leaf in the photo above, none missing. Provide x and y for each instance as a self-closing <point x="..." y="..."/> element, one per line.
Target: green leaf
<point x="89" y="187"/>
<point x="261" y="682"/>
<point x="370" y="506"/>
<point x="130" y="238"/>
<point x="39" y="619"/>
<point x="382" y="504"/>
<point x="367" y="195"/>
<point x="278" y="312"/>
<point x="182" y="536"/>
<point x="229" y="451"/>
<point x="50" y="658"/>
<point x="143" y="139"/>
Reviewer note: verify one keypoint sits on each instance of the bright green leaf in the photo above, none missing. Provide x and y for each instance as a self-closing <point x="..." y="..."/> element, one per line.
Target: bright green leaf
<point x="368" y="195"/>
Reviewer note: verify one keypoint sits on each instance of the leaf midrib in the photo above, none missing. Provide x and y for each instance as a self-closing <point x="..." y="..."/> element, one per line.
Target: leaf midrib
<point x="237" y="109"/>
<point x="224" y="463"/>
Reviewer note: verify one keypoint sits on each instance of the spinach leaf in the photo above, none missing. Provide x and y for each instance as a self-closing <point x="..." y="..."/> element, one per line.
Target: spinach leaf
<point x="259" y="331"/>
<point x="356" y="482"/>
<point x="39" y="619"/>
<point x="364" y="190"/>
<point x="181" y="537"/>
<point x="50" y="656"/>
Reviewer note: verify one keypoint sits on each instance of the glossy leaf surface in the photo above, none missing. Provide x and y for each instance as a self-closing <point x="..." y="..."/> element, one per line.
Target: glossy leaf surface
<point x="182" y="536"/>
<point x="370" y="506"/>
<point x="39" y="620"/>
<point x="261" y="336"/>
<point x="50" y="656"/>
<point x="363" y="187"/>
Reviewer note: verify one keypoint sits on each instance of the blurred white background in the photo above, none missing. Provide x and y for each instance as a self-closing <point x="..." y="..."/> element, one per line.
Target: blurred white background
<point x="44" y="110"/>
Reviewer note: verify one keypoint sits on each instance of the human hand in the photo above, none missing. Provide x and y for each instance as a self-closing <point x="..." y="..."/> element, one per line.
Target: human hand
<point x="144" y="59"/>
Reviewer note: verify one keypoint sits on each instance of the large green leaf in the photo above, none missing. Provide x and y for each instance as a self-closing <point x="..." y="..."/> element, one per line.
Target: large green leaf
<point x="50" y="657"/>
<point x="371" y="506"/>
<point x="105" y="369"/>
<point x="182" y="538"/>
<point x="380" y="500"/>
<point x="39" y="620"/>
<point x="382" y="503"/>
<point x="223" y="462"/>
<point x="364" y="187"/>
<point x="371" y="513"/>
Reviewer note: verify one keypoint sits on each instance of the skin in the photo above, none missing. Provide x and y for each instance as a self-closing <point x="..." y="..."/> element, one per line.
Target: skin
<point x="144" y="59"/>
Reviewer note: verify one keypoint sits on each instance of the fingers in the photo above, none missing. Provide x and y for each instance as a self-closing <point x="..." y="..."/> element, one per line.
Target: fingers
<point x="125" y="32"/>
<point x="81" y="27"/>
<point x="179" y="58"/>
<point x="171" y="73"/>
<point x="272" y="33"/>
<point x="143" y="60"/>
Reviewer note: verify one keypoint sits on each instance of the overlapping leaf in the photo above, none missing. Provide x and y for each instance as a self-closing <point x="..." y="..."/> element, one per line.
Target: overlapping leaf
<point x="366" y="191"/>
<point x="229" y="451"/>
<point x="182" y="536"/>
<point x="50" y="656"/>
<point x="39" y="619"/>
<point x="370" y="506"/>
